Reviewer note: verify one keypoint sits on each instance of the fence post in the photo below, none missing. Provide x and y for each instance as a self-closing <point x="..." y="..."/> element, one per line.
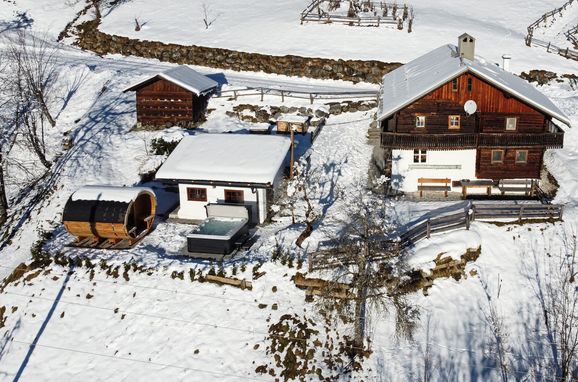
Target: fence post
<point x="311" y="98"/>
<point x="310" y="261"/>
<point x="548" y="48"/>
<point x="467" y="219"/>
<point x="261" y="94"/>
<point x="428" y="228"/>
<point x="561" y="208"/>
<point x="235" y="94"/>
<point x="521" y="214"/>
<point x="282" y="96"/>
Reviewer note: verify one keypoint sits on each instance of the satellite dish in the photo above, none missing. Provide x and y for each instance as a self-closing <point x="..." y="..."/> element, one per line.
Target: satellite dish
<point x="470" y="107"/>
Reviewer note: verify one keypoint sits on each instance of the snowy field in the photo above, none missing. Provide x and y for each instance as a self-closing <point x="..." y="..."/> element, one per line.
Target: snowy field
<point x="273" y="27"/>
<point x="153" y="325"/>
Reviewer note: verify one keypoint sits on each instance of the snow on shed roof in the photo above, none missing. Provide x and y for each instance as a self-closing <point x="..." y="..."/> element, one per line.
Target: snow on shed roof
<point x="293" y="118"/>
<point x="183" y="76"/>
<point x="417" y="78"/>
<point x="226" y="158"/>
<point x="109" y="193"/>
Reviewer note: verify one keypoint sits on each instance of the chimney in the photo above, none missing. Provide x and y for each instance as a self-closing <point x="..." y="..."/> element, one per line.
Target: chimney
<point x="506" y="62"/>
<point x="466" y="46"/>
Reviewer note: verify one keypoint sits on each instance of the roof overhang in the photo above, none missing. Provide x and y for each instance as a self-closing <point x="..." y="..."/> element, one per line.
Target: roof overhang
<point x="217" y="183"/>
<point x="200" y="92"/>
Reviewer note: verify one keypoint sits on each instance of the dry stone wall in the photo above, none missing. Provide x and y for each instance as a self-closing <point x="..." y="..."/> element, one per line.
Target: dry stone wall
<point x="90" y="38"/>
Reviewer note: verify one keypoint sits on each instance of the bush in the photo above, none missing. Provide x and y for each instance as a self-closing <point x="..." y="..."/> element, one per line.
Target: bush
<point x="161" y="146"/>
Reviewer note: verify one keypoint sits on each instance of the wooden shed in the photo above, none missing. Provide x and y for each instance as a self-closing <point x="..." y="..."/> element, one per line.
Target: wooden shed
<point x="109" y="217"/>
<point x="178" y="96"/>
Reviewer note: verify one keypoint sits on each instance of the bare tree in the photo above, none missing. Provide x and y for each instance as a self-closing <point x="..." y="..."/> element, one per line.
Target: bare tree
<point x="557" y="290"/>
<point x="36" y="69"/>
<point x="208" y="17"/>
<point x="364" y="258"/>
<point x="33" y="74"/>
<point x="499" y="331"/>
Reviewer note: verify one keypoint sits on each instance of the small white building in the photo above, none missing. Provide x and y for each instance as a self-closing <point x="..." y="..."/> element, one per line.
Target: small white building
<point x="226" y="168"/>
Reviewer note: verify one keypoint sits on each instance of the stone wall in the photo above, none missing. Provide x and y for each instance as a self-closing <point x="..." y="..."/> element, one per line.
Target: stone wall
<point x="90" y="38"/>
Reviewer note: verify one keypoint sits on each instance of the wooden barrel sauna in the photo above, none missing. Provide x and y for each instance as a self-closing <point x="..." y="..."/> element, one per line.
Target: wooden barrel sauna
<point x="113" y="214"/>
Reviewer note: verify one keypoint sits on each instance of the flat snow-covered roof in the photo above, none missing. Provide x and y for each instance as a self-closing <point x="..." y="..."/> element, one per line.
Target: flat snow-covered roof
<point x="183" y="76"/>
<point x="109" y="193"/>
<point x="417" y="78"/>
<point x="232" y="158"/>
<point x="293" y="118"/>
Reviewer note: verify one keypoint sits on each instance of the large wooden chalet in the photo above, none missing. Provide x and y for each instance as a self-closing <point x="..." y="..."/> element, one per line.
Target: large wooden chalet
<point x="449" y="115"/>
<point x="177" y="96"/>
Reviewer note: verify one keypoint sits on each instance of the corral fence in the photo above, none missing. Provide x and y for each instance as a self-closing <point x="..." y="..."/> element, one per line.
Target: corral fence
<point x="330" y="258"/>
<point x="570" y="34"/>
<point x="383" y="14"/>
<point x="301" y="94"/>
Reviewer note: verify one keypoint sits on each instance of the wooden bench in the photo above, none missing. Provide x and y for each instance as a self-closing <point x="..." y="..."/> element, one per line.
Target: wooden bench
<point x="433" y="184"/>
<point x="516" y="185"/>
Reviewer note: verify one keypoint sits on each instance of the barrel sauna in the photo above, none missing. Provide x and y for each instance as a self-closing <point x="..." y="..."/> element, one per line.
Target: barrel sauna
<point x="119" y="216"/>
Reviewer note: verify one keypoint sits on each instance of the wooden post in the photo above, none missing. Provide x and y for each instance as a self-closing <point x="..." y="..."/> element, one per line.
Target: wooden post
<point x="292" y="153"/>
<point x="428" y="228"/>
<point x="548" y="48"/>
<point x="282" y="96"/>
<point x="521" y="213"/>
<point x="311" y="98"/>
<point x="310" y="261"/>
<point x="566" y="55"/>
<point x="261" y="94"/>
<point x="235" y="94"/>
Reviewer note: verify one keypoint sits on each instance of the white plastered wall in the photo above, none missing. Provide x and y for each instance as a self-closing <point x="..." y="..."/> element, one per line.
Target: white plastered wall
<point x="452" y="164"/>
<point x="255" y="198"/>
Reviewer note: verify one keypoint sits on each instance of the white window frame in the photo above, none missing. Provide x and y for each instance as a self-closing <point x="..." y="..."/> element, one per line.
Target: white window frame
<point x="420" y="121"/>
<point x="508" y="120"/>
<point x="419" y="156"/>
<point x="525" y="157"/>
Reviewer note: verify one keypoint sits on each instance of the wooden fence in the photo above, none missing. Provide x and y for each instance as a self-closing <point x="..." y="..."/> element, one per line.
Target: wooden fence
<point x="564" y="52"/>
<point x="311" y="96"/>
<point x="314" y="13"/>
<point x="458" y="220"/>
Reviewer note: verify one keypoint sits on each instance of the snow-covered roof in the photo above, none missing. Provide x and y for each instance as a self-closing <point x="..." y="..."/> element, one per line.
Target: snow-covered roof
<point x="293" y="118"/>
<point x="414" y="80"/>
<point x="183" y="76"/>
<point x="232" y="158"/>
<point x="109" y="193"/>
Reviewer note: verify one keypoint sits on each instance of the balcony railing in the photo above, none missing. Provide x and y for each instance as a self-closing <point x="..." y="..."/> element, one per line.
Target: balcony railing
<point x="456" y="141"/>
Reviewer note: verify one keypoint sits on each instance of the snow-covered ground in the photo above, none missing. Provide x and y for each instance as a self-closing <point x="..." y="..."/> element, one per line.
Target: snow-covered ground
<point x="158" y="327"/>
<point x="273" y="27"/>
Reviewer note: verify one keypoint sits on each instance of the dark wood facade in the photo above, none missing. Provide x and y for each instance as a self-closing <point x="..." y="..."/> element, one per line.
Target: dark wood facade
<point x="162" y="103"/>
<point x="501" y="122"/>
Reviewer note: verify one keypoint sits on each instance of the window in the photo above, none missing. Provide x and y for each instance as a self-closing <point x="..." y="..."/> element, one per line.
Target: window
<point x="454" y="121"/>
<point x="511" y="123"/>
<point x="455" y="85"/>
<point x="420" y="121"/>
<point x="497" y="156"/>
<point x="419" y="156"/>
<point x="196" y="194"/>
<point x="470" y="85"/>
<point x="521" y="156"/>
<point x="234" y="196"/>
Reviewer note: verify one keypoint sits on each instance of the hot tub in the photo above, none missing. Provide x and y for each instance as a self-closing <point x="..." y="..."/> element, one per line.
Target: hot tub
<point x="225" y="225"/>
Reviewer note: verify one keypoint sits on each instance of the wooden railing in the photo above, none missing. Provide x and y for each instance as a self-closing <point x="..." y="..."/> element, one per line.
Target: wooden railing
<point x="471" y="140"/>
<point x="479" y="211"/>
<point x="323" y="259"/>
